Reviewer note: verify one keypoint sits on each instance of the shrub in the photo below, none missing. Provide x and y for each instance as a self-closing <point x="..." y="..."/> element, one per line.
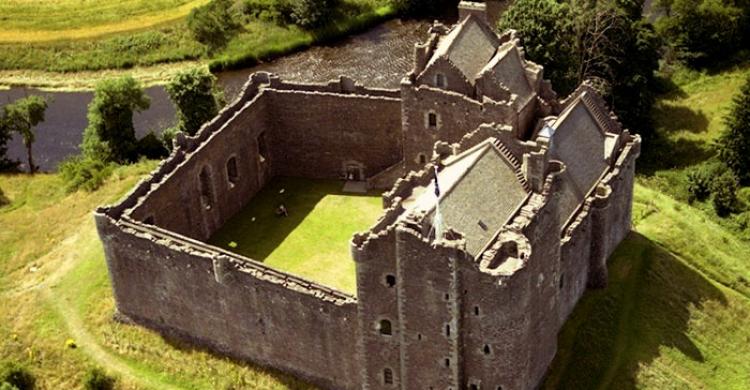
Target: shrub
<point x="79" y="172"/>
<point x="7" y="386"/>
<point x="311" y="13"/>
<point x="17" y="376"/>
<point x="151" y="147"/>
<point x="213" y="24"/>
<point x="3" y="199"/>
<point x="97" y="379"/>
<point x="699" y="183"/>
<point x="724" y="189"/>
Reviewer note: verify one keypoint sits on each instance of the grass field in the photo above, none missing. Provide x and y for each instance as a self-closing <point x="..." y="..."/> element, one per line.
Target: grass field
<point x="313" y="241"/>
<point x="69" y="36"/>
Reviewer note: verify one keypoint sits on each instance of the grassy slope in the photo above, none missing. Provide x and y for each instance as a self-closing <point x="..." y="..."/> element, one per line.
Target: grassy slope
<point x="143" y="42"/>
<point x="676" y="312"/>
<point x="69" y="297"/>
<point x="313" y="242"/>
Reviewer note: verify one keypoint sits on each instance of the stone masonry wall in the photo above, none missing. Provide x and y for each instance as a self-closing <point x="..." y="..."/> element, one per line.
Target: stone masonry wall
<point x="316" y="134"/>
<point x="457" y="115"/>
<point x="231" y="305"/>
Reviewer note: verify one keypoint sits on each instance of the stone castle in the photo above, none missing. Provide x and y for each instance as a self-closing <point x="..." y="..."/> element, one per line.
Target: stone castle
<point x="535" y="194"/>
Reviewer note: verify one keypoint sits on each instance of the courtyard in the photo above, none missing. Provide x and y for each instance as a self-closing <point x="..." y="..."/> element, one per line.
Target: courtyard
<point x="312" y="241"/>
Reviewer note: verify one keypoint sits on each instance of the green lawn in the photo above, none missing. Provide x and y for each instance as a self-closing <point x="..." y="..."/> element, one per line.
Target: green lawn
<point x="313" y="241"/>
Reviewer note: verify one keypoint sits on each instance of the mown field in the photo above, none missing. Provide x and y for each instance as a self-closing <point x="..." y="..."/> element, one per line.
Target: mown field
<point x="37" y="37"/>
<point x="674" y="316"/>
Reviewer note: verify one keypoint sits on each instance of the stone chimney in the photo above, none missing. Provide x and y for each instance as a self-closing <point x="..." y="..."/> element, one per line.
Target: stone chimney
<point x="466" y="8"/>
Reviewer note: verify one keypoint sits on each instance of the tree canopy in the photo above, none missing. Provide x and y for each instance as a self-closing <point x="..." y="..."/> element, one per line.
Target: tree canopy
<point x="593" y="40"/>
<point x="195" y="95"/>
<point x="734" y="143"/>
<point x="110" y="135"/>
<point x="20" y="117"/>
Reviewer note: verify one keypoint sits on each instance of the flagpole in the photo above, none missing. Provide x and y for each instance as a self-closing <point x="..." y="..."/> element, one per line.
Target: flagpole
<point x="438" y="220"/>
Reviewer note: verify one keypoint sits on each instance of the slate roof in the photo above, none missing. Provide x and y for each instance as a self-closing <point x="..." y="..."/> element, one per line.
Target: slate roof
<point x="469" y="46"/>
<point x="507" y="69"/>
<point x="580" y="141"/>
<point x="480" y="191"/>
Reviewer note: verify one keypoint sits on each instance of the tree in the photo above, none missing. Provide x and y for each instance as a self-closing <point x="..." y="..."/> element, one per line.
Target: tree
<point x="6" y="164"/>
<point x="311" y="13"/>
<point x="545" y="29"/>
<point x="110" y="135"/>
<point x="196" y="97"/>
<point x="20" y="117"/>
<point x="602" y="41"/>
<point x="213" y="24"/>
<point x="734" y="143"/>
<point x="703" y="31"/>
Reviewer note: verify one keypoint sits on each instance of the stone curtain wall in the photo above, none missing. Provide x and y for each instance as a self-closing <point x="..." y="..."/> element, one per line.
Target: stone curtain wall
<point x="244" y="310"/>
<point x="316" y="134"/>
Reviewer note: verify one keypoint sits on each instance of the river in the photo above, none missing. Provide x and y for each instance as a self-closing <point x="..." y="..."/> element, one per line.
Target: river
<point x="379" y="57"/>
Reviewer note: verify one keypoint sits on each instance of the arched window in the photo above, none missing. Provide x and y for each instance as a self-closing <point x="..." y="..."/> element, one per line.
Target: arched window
<point x="388" y="376"/>
<point x="390" y="280"/>
<point x="232" y="173"/>
<point x="422" y="158"/>
<point x="385" y="327"/>
<point x="207" y="197"/>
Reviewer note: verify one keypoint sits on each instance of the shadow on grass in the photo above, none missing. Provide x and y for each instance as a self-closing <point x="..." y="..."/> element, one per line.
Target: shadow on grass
<point x="257" y="230"/>
<point x="680" y="118"/>
<point x="3" y="199"/>
<point x="661" y="153"/>
<point x="646" y="307"/>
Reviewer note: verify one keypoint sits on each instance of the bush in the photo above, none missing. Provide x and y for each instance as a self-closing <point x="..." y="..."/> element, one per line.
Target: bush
<point x="213" y="24"/>
<point x="699" y="183"/>
<point x="276" y="11"/>
<point x="151" y="147"/>
<point x="311" y="14"/>
<point x="97" y="379"/>
<point x="724" y="189"/>
<point x="17" y="376"/>
<point x="79" y="172"/>
<point x="7" y="386"/>
<point x="734" y="143"/>
<point x="3" y="199"/>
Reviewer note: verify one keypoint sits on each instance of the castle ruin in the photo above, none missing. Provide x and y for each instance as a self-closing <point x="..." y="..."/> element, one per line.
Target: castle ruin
<point x="535" y="194"/>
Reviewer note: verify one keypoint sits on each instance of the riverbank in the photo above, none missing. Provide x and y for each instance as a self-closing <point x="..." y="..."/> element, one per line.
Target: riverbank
<point x="153" y="53"/>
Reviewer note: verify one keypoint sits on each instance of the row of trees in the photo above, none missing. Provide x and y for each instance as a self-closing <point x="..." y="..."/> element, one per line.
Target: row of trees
<point x="109" y="139"/>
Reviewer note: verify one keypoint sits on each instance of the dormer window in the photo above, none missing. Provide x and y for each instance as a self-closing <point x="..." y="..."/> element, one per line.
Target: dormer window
<point x="440" y="80"/>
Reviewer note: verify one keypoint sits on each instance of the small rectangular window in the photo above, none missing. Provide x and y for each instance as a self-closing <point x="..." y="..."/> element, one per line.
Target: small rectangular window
<point x="232" y="174"/>
<point x="388" y="376"/>
<point x="432" y="120"/>
<point x="440" y="80"/>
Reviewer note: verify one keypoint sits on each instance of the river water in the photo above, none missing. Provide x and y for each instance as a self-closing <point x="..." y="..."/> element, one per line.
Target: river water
<point x="379" y="57"/>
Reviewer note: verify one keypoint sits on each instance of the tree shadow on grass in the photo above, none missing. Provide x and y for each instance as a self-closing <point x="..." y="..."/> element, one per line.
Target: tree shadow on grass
<point x="615" y="331"/>
<point x="3" y="199"/>
<point x="258" y="231"/>
<point x="680" y="118"/>
<point x="662" y="153"/>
